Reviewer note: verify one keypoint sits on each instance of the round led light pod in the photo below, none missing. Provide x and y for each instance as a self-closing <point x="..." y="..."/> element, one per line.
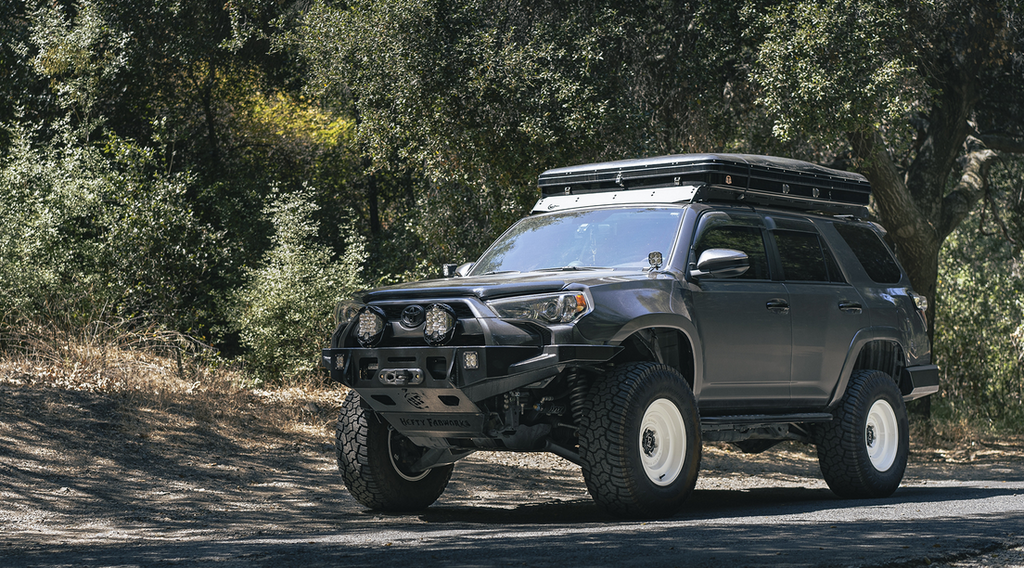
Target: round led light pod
<point x="439" y="324"/>
<point x="371" y="323"/>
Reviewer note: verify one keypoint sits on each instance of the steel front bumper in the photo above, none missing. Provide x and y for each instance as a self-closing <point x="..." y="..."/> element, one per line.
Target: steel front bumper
<point x="434" y="391"/>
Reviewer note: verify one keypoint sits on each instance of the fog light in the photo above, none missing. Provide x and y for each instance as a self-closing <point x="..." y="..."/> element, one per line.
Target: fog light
<point x="439" y="325"/>
<point x="470" y="360"/>
<point x="371" y="325"/>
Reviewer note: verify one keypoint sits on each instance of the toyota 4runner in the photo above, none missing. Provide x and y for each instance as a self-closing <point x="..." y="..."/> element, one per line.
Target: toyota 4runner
<point x="643" y="308"/>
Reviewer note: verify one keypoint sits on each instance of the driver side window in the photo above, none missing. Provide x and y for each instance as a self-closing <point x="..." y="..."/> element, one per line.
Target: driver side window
<point x="716" y="230"/>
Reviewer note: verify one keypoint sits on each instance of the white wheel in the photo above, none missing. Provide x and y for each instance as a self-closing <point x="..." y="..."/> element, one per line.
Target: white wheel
<point x="881" y="435"/>
<point x="863" y="451"/>
<point x="662" y="442"/>
<point x="640" y="441"/>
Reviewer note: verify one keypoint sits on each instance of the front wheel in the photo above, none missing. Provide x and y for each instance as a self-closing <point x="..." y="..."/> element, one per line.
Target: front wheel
<point x="375" y="462"/>
<point x="863" y="450"/>
<point x="640" y="441"/>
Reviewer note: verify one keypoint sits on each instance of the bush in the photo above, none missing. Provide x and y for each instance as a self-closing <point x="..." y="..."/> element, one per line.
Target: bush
<point x="978" y="328"/>
<point x="285" y="311"/>
<point x="77" y="217"/>
<point x="51" y="199"/>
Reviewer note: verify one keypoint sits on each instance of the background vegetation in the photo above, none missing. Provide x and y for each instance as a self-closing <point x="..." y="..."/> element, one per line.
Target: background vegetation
<point x="227" y="171"/>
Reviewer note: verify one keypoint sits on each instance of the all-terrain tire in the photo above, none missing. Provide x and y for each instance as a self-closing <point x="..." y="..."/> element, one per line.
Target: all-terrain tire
<point x="640" y="441"/>
<point x="373" y="459"/>
<point x="863" y="450"/>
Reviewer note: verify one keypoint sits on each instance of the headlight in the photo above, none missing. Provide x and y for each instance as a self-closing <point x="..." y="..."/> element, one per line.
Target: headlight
<point x="549" y="308"/>
<point x="439" y="324"/>
<point x="371" y="325"/>
<point x="345" y="312"/>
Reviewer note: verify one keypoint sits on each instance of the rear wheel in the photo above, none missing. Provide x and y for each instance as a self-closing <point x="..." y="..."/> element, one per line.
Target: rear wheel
<point x="640" y="441"/>
<point x="376" y="462"/>
<point x="863" y="450"/>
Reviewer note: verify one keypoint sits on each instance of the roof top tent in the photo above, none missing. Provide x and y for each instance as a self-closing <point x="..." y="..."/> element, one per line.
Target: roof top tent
<point x="745" y="178"/>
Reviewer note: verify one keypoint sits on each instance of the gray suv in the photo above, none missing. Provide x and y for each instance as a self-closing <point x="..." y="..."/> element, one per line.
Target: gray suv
<point x="643" y="308"/>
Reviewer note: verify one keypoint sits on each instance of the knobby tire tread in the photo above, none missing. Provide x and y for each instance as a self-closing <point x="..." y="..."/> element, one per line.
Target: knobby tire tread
<point x="841" y="454"/>
<point x="358" y="443"/>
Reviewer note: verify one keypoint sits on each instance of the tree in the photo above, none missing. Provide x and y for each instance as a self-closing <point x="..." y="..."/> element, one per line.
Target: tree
<point x="478" y="97"/>
<point x="925" y="96"/>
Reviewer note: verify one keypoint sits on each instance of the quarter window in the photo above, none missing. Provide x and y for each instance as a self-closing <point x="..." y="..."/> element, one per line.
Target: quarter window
<point x="872" y="253"/>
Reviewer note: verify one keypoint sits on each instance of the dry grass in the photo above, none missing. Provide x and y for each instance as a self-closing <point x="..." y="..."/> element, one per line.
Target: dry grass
<point x="167" y="386"/>
<point x="162" y="383"/>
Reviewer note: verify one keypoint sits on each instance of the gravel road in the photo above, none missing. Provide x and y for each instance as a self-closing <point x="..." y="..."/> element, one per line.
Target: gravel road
<point x="78" y="488"/>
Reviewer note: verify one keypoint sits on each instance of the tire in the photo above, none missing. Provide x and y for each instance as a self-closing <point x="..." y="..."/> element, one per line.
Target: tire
<point x="373" y="459"/>
<point x="640" y="441"/>
<point x="863" y="450"/>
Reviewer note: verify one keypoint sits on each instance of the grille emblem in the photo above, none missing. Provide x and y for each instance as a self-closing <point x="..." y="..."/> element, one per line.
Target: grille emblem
<point x="412" y="316"/>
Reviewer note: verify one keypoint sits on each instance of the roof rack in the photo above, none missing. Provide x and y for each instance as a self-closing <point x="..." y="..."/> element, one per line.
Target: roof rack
<point x="750" y="179"/>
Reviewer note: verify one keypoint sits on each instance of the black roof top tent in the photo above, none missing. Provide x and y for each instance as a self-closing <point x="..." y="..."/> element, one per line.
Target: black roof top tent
<point x="760" y="180"/>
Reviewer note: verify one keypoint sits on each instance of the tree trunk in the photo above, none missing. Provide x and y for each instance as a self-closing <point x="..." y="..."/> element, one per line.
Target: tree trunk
<point x="917" y="230"/>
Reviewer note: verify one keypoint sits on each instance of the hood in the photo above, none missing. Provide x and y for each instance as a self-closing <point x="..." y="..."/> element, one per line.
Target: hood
<point x="498" y="285"/>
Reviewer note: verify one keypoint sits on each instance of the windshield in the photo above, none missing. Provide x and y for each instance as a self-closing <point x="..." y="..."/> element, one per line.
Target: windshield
<point x="598" y="238"/>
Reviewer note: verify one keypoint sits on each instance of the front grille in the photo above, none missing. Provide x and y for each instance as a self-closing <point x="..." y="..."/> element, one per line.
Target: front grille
<point x="394" y="311"/>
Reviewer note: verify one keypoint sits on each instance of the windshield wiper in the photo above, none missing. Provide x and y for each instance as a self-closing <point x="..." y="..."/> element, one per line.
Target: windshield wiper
<point x="500" y="272"/>
<point x="566" y="268"/>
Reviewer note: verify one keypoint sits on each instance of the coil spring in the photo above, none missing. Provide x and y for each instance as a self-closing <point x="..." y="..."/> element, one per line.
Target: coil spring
<point x="577" y="396"/>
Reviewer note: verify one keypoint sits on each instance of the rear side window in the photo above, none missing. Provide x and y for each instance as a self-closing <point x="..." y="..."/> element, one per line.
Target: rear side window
<point x="805" y="258"/>
<point x="872" y="253"/>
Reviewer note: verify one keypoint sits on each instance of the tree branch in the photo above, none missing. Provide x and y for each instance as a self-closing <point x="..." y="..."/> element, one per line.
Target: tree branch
<point x="896" y="206"/>
<point x="957" y="204"/>
<point x="1002" y="143"/>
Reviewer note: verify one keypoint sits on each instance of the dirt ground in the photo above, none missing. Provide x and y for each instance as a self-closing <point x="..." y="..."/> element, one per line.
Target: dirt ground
<point x="79" y="466"/>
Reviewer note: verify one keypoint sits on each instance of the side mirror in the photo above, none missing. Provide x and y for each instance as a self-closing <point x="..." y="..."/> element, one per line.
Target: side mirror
<point x="456" y="270"/>
<point x="721" y="263"/>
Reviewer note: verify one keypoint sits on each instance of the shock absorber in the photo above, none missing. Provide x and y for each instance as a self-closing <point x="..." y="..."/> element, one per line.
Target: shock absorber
<point x="577" y="396"/>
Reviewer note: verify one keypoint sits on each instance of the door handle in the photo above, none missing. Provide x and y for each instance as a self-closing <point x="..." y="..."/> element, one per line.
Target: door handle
<point x="850" y="307"/>
<point x="778" y="306"/>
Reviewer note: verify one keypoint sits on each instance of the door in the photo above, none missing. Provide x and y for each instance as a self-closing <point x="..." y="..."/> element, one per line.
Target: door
<point x="825" y="310"/>
<point x="743" y="322"/>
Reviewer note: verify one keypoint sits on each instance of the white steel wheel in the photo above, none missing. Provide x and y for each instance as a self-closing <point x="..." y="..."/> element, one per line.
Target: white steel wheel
<point x="881" y="435"/>
<point x="863" y="451"/>
<point x="662" y="442"/>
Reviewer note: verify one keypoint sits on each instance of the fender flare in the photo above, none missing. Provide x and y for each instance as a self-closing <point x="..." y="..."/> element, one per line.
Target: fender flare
<point x="862" y="338"/>
<point x="668" y="321"/>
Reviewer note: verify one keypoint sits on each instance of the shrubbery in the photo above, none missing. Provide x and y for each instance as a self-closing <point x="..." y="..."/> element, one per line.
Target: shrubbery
<point x="285" y="311"/>
<point x="979" y="332"/>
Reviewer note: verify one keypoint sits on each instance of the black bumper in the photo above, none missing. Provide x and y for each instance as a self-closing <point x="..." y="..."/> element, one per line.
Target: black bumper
<point x="433" y="391"/>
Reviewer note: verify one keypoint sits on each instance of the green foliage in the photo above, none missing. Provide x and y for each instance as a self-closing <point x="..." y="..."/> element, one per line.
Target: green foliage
<point x="285" y="310"/>
<point x="833" y="66"/>
<point x="980" y="316"/>
<point x="49" y="201"/>
<point x="80" y="217"/>
<point x="473" y="99"/>
<point x="139" y="142"/>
